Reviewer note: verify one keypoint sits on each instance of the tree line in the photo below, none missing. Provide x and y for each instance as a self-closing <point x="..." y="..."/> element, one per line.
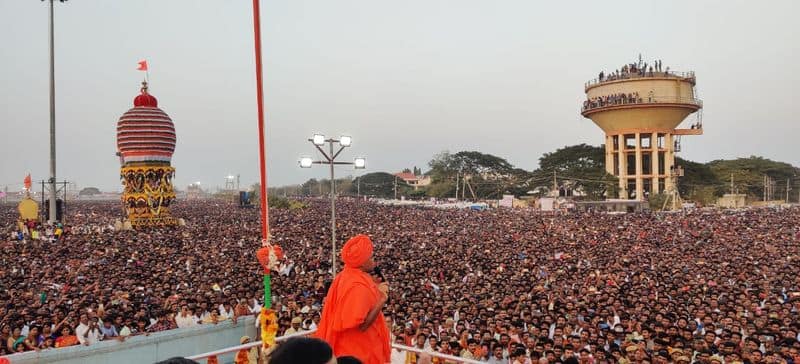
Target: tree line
<point x="577" y="169"/>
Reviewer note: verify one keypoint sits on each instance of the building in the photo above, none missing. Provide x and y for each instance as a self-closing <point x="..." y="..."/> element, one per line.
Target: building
<point x="639" y="111"/>
<point x="413" y="180"/>
<point x="732" y="201"/>
<point x="612" y="206"/>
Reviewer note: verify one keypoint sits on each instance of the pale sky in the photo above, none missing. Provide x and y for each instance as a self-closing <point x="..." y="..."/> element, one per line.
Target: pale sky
<point x="406" y="79"/>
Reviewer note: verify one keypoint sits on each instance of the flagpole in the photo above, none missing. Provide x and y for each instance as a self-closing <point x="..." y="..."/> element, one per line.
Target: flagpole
<point x="262" y="154"/>
<point x="268" y="254"/>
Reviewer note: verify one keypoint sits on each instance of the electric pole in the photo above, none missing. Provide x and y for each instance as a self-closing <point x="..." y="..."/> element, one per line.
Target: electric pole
<point x="395" y="187"/>
<point x="456" y="186"/>
<point x="464" y="187"/>
<point x="787" y="190"/>
<point x="731" y="183"/>
<point x="555" y="185"/>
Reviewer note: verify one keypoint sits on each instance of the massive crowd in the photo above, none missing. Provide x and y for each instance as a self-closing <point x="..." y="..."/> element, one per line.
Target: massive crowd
<point x="509" y="286"/>
<point x="614" y="99"/>
<point x="635" y="69"/>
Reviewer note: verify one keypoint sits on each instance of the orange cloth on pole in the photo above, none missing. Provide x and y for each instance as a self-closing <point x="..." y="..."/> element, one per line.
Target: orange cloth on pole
<point x="352" y="295"/>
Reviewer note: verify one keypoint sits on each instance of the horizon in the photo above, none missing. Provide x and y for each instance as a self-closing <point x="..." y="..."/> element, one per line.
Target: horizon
<point x="405" y="80"/>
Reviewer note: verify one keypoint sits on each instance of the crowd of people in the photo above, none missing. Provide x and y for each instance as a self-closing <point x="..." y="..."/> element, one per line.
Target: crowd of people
<point x="614" y="99"/>
<point x="502" y="285"/>
<point x="635" y="69"/>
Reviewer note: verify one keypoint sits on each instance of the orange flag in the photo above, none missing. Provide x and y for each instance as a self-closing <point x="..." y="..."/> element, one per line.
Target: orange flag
<point x="28" y="182"/>
<point x="142" y="65"/>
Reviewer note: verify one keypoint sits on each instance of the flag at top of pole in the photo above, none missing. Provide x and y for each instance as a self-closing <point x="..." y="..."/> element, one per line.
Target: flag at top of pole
<point x="143" y="67"/>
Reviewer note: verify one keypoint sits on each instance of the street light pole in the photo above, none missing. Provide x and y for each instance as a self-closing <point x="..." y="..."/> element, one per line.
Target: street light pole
<point x="333" y="212"/>
<point x="52" y="216"/>
<point x="318" y="141"/>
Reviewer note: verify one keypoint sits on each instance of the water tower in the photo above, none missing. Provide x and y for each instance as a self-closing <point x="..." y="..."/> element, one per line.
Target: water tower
<point x="639" y="109"/>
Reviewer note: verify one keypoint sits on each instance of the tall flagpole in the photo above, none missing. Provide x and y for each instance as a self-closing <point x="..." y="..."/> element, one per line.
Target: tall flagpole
<point x="262" y="153"/>
<point x="268" y="255"/>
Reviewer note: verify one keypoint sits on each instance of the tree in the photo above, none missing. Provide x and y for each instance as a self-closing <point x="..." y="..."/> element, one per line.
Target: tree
<point x="89" y="191"/>
<point x="417" y="171"/>
<point x="487" y="176"/>
<point x="406" y="170"/>
<point x="380" y="184"/>
<point x="695" y="176"/>
<point x="656" y="201"/>
<point x="443" y="167"/>
<point x="581" y="166"/>
<point x="748" y="175"/>
<point x="310" y="188"/>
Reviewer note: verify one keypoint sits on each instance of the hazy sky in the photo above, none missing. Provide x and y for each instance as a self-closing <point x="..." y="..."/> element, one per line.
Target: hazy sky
<point x="406" y="79"/>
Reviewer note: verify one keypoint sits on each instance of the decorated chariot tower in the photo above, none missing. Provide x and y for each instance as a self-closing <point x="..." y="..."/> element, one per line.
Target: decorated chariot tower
<point x="145" y="143"/>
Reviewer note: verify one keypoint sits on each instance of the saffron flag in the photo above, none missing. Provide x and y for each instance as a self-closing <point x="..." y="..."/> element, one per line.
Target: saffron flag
<point x="142" y="65"/>
<point x="28" y="182"/>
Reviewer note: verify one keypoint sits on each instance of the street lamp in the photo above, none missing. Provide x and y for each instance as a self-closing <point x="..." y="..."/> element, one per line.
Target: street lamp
<point x="306" y="162"/>
<point x="318" y="139"/>
<point x="330" y="159"/>
<point x="360" y="163"/>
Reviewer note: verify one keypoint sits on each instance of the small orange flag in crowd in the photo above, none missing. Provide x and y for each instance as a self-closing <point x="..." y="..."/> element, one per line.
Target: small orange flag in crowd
<point x="142" y="65"/>
<point x="28" y="182"/>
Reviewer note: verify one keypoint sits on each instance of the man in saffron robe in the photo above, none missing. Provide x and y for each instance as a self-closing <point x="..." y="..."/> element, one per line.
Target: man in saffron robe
<point x="352" y="319"/>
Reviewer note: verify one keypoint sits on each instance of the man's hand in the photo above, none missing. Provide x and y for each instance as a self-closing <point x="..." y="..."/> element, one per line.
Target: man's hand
<point x="384" y="288"/>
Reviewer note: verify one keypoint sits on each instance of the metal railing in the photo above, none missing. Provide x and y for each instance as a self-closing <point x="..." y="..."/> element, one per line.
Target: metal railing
<point x="645" y="100"/>
<point x="234" y="349"/>
<point x="689" y="76"/>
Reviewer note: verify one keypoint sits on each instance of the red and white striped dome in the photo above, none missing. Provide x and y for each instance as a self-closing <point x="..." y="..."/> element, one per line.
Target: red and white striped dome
<point x="145" y="133"/>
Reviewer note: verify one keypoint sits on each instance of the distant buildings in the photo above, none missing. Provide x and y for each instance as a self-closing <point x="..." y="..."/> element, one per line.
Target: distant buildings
<point x="414" y="180"/>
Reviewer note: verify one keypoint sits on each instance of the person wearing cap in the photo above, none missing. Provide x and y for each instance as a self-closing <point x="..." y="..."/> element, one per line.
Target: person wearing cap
<point x="246" y="356"/>
<point x="352" y="320"/>
<point x="295" y="328"/>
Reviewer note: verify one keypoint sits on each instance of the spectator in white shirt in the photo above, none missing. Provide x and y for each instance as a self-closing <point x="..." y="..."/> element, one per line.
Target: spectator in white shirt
<point x="185" y="318"/>
<point x="88" y="332"/>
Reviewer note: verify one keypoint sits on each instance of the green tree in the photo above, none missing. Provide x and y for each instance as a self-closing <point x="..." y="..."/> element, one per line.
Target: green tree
<point x="695" y="175"/>
<point x="487" y="176"/>
<point x="748" y="175"/>
<point x="89" y="191"/>
<point x="310" y="188"/>
<point x="581" y="167"/>
<point x="380" y="184"/>
<point x="656" y="201"/>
